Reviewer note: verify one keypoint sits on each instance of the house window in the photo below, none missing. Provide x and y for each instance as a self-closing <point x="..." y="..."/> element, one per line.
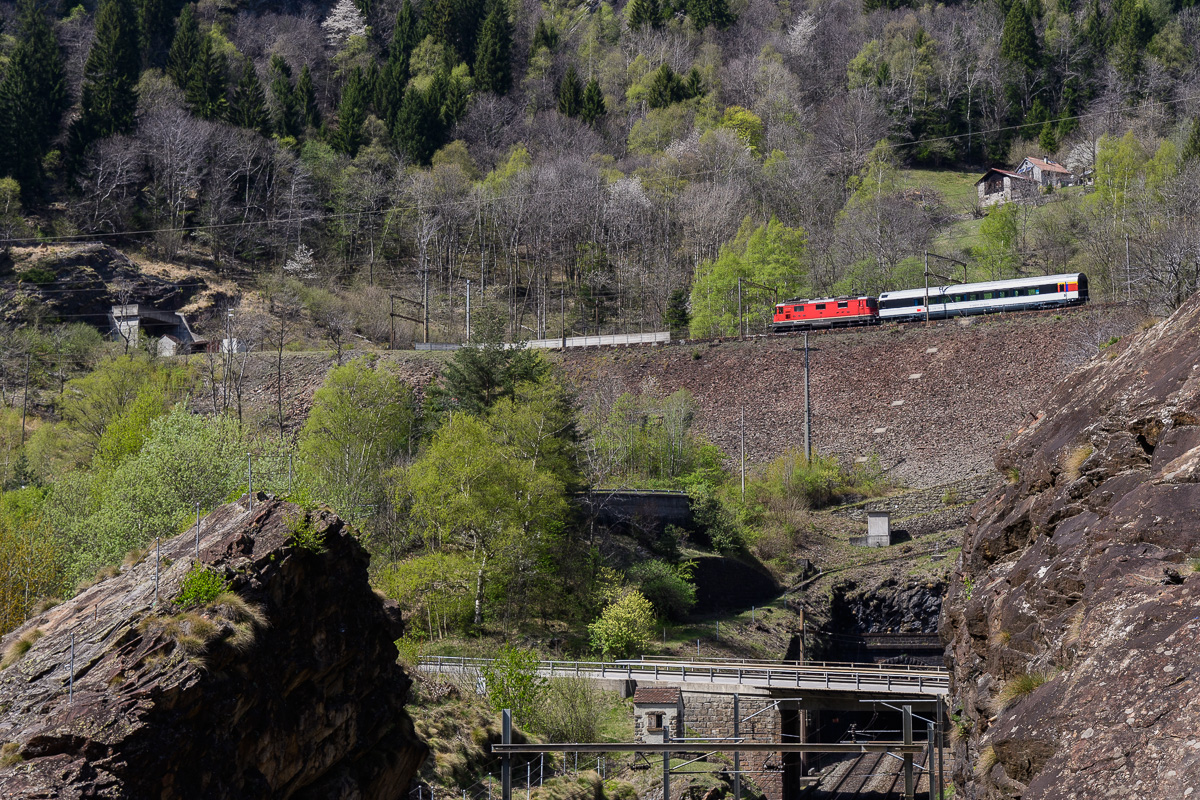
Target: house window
<point x="654" y="722"/>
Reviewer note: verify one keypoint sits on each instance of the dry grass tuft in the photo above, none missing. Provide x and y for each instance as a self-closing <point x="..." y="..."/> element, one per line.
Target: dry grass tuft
<point x="45" y="604"/>
<point x="987" y="760"/>
<point x="1020" y="686"/>
<point x="10" y="753"/>
<point x="1073" y="459"/>
<point x="19" y="647"/>
<point x="1012" y="476"/>
<point x="191" y="631"/>
<point x="134" y="557"/>
<point x="247" y="619"/>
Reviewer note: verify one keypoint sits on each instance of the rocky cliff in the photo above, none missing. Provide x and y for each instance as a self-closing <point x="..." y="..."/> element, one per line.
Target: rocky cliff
<point x="1072" y="624"/>
<point x="283" y="683"/>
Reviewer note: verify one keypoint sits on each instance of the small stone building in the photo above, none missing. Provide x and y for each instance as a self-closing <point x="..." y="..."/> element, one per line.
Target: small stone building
<point x="1046" y="172"/>
<point x="655" y="709"/>
<point x="1001" y="186"/>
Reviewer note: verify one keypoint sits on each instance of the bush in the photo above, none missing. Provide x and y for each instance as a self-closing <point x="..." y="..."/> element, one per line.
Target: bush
<point x="793" y="482"/>
<point x="513" y="683"/>
<point x="668" y="588"/>
<point x="625" y="627"/>
<point x="200" y="587"/>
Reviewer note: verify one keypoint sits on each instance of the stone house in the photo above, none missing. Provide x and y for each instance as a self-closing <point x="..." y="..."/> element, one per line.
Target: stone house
<point x="1046" y="172"/>
<point x="1001" y="186"/>
<point x="655" y="709"/>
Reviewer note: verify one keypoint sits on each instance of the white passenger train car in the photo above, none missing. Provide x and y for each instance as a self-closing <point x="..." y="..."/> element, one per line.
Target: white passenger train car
<point x="1021" y="294"/>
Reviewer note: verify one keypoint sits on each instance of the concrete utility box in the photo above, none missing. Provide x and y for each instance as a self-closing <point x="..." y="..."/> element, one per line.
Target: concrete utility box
<point x="879" y="529"/>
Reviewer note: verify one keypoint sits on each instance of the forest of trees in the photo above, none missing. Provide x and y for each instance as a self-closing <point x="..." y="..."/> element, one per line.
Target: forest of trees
<point x="626" y="162"/>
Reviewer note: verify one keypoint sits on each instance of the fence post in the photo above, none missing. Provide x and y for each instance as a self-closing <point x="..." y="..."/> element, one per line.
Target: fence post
<point x="909" y="789"/>
<point x="506" y="762"/>
<point x="71" y="677"/>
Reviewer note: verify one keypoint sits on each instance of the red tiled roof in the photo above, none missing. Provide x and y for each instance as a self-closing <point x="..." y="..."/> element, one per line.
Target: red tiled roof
<point x="1048" y="166"/>
<point x="656" y="694"/>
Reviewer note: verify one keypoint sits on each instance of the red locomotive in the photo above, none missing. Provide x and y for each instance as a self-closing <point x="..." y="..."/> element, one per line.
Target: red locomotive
<point x="832" y="312"/>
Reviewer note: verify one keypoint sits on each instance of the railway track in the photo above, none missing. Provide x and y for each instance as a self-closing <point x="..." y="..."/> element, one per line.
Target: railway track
<point x="876" y="776"/>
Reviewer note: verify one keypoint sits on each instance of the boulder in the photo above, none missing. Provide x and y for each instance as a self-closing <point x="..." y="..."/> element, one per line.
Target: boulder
<point x="287" y="687"/>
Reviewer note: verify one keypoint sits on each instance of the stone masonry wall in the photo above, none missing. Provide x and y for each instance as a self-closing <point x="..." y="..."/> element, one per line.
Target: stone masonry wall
<point x="711" y="715"/>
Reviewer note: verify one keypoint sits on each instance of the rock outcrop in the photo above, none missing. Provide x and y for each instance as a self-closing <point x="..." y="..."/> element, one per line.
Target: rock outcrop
<point x="1072" y="625"/>
<point x="290" y="689"/>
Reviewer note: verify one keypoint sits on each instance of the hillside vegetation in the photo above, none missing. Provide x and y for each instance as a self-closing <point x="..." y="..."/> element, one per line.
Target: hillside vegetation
<point x="600" y="166"/>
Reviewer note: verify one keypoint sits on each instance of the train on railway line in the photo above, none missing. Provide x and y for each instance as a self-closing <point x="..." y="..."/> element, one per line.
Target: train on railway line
<point x="936" y="302"/>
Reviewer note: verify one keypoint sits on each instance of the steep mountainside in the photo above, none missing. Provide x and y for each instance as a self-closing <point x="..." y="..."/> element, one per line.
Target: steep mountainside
<point x="1071" y="629"/>
<point x="288" y="689"/>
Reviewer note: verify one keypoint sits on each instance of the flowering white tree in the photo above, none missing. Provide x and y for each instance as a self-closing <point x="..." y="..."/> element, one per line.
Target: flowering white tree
<point x="301" y="263"/>
<point x="344" y="21"/>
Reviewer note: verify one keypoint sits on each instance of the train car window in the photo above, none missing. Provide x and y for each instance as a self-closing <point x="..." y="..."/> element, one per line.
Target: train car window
<point x="819" y="306"/>
<point x="843" y="304"/>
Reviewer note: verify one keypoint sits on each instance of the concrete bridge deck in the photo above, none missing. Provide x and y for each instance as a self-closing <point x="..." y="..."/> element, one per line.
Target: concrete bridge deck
<point x="873" y="679"/>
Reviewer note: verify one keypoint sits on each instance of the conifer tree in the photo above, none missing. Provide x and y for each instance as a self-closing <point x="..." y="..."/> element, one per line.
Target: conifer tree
<point x="544" y="36"/>
<point x="665" y="88"/>
<point x="306" y="99"/>
<point x="644" y="12"/>
<point x="155" y="20"/>
<point x="415" y="128"/>
<point x="33" y="97"/>
<point x="207" y="82"/>
<point x="389" y="88"/>
<point x="406" y="35"/>
<point x="593" y="107"/>
<point x="248" y="106"/>
<point x="348" y="137"/>
<point x="184" y="48"/>
<point x="694" y="86"/>
<point x="454" y="101"/>
<point x="286" y="118"/>
<point x="493" y="62"/>
<point x="570" y="94"/>
<point x="709" y="12"/>
<point x="108" y="102"/>
<point x="1019" y="51"/>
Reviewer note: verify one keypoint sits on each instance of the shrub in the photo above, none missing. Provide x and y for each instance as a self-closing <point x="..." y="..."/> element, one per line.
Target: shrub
<point x="200" y="587"/>
<point x="950" y="497"/>
<point x="1019" y="687"/>
<point x="37" y="275"/>
<point x="668" y="588"/>
<point x="304" y="534"/>
<point x="19" y="647"/>
<point x="572" y="710"/>
<point x="513" y="683"/>
<point x="625" y="627"/>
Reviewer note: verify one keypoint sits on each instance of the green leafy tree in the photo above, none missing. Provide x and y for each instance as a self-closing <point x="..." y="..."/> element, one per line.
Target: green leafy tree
<point x="570" y="94"/>
<point x="108" y="102"/>
<point x="538" y="423"/>
<point x="625" y="627"/>
<point x="348" y="136"/>
<point x="185" y="47"/>
<point x="362" y="422"/>
<point x="248" y="106"/>
<point x="207" y="82"/>
<point x="998" y="253"/>
<point x="306" y="99"/>
<point x="493" y="59"/>
<point x="592" y="108"/>
<point x="470" y="493"/>
<point x="513" y="683"/>
<point x="33" y="97"/>
<point x="32" y="556"/>
<point x="771" y="254"/>
<point x="477" y="377"/>
<point x="669" y="588"/>
<point x="1191" y="149"/>
<point x="283" y="94"/>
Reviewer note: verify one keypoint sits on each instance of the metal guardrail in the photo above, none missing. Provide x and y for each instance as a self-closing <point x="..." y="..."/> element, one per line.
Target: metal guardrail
<point x="834" y="665"/>
<point x="870" y="678"/>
